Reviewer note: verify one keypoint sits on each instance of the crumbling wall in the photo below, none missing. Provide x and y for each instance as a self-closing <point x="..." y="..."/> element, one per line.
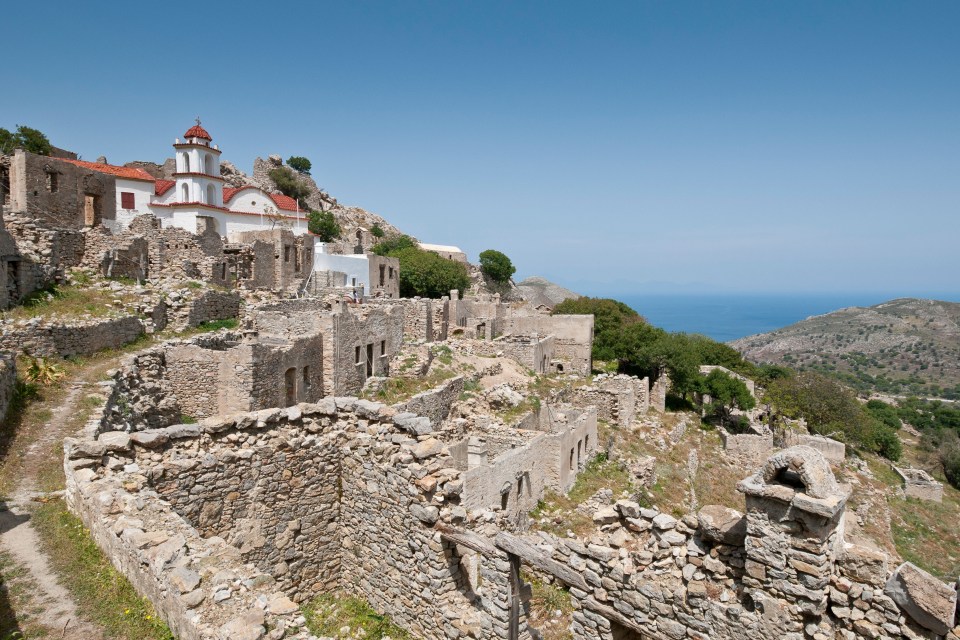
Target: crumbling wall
<point x="748" y="449"/>
<point x="435" y="403"/>
<point x="832" y="450"/>
<point x="65" y="338"/>
<point x="919" y="484"/>
<point x="60" y="194"/>
<point x="314" y="498"/>
<point x="573" y="338"/>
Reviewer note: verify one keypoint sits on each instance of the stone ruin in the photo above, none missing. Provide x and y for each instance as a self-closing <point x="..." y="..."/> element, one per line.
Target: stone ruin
<point x="228" y="524"/>
<point x="919" y="484"/>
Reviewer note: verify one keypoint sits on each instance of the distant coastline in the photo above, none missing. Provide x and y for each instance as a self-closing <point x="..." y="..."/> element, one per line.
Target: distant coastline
<point x="726" y="317"/>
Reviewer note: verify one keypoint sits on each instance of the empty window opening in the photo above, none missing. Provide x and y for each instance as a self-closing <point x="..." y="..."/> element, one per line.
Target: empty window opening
<point x="306" y="377"/>
<point x="184" y="192"/>
<point x="579" y="452"/>
<point x="383" y="271"/>
<point x="383" y="347"/>
<point x="211" y="194"/>
<point x="127" y="201"/>
<point x="186" y="163"/>
<point x="369" y="360"/>
<point x="286" y="253"/>
<point x="504" y="500"/>
<point x="53" y="182"/>
<point x="586" y="444"/>
<point x="519" y="486"/>
<point x="290" y="383"/>
<point x="359" y="361"/>
<point x="208" y="164"/>
<point x="571" y="458"/>
<point x="391" y="273"/>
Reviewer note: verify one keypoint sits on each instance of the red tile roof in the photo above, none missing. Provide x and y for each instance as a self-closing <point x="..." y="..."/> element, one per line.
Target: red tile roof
<point x="121" y="172"/>
<point x="162" y="186"/>
<point x="283" y="202"/>
<point x="196" y="131"/>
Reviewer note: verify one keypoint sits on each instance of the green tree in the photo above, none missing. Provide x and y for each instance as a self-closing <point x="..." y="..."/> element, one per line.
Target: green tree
<point x="376" y="230"/>
<point x="496" y="266"/>
<point x="610" y="318"/>
<point x="324" y="225"/>
<point x="300" y="164"/>
<point x="8" y="141"/>
<point x="425" y="274"/>
<point x="392" y="244"/>
<point x="831" y="409"/>
<point x="25" y="138"/>
<point x="885" y="413"/>
<point x="289" y="184"/>
<point x="726" y="394"/>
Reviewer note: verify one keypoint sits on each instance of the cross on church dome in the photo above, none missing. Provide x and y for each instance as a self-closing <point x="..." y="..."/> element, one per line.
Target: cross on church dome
<point x="196" y="131"/>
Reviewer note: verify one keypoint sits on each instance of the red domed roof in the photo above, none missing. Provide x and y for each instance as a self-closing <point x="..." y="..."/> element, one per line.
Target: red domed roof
<point x="196" y="131"/>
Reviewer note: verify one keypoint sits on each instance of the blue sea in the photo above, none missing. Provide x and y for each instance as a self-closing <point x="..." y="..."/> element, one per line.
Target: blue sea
<point x="726" y="317"/>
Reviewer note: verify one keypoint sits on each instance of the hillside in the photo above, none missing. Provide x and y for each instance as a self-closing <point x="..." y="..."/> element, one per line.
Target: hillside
<point x="537" y="290"/>
<point x="904" y="346"/>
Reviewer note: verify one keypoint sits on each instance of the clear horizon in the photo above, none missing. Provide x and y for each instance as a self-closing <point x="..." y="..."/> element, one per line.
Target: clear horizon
<point x="674" y="147"/>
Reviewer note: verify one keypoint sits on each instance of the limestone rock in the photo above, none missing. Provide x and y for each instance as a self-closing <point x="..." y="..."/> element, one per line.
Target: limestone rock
<point x="427" y="448"/>
<point x="605" y="515"/>
<point x="248" y="626"/>
<point x="115" y="440"/>
<point x="184" y="579"/>
<point x="931" y="603"/>
<point x="722" y="524"/>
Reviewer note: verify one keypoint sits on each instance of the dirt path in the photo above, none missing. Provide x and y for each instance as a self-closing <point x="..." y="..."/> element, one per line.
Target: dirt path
<point x="49" y="606"/>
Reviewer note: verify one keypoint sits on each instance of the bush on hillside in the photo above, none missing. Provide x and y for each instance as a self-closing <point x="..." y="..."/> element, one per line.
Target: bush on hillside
<point x="496" y="266"/>
<point x="376" y="230"/>
<point x="832" y="410"/>
<point x="299" y="164"/>
<point x="425" y="274"/>
<point x="324" y="225"/>
<point x="393" y="244"/>
<point x="288" y="183"/>
<point x="726" y="394"/>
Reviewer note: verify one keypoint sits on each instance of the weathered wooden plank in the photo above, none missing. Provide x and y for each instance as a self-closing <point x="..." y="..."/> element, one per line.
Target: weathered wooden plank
<point x="540" y="559"/>
<point x="469" y="540"/>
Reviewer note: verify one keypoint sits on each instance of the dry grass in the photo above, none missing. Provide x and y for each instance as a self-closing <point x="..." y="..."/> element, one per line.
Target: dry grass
<point x="103" y="595"/>
<point x="20" y="603"/>
<point x="398" y="389"/>
<point x="551" y="609"/>
<point x="327" y="614"/>
<point x="70" y="301"/>
<point x="557" y="513"/>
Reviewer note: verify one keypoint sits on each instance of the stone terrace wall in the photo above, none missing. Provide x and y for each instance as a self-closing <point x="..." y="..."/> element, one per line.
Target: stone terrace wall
<point x="8" y="382"/>
<point x="207" y="306"/>
<point x="53" y="338"/>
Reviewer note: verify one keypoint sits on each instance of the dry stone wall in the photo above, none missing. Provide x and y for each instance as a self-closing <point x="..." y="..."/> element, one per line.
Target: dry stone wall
<point x="63" y="338"/>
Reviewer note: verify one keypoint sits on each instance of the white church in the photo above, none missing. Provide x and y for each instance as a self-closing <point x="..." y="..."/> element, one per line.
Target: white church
<point x="198" y="190"/>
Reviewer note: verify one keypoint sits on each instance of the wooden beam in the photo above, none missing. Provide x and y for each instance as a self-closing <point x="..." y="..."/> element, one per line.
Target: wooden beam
<point x="469" y="540"/>
<point x="540" y="559"/>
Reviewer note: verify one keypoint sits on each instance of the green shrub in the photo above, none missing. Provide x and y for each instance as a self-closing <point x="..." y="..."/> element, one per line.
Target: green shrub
<point x="496" y="266"/>
<point x="300" y="164"/>
<point x="393" y="244"/>
<point x="425" y="274"/>
<point x="288" y="183"/>
<point x="324" y="225"/>
<point x="376" y="230"/>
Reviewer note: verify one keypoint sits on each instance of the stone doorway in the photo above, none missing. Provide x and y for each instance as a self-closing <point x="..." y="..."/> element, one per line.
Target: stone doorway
<point x="290" y="382"/>
<point x="620" y="632"/>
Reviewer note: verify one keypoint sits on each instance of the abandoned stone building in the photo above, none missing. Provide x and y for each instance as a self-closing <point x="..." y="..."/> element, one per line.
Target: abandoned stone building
<point x="279" y="505"/>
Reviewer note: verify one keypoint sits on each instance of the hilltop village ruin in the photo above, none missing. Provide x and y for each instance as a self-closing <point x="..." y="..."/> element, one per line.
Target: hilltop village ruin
<point x="295" y="475"/>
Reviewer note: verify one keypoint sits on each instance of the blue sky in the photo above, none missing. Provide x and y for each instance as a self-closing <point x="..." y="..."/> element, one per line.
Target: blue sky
<point x="612" y="147"/>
